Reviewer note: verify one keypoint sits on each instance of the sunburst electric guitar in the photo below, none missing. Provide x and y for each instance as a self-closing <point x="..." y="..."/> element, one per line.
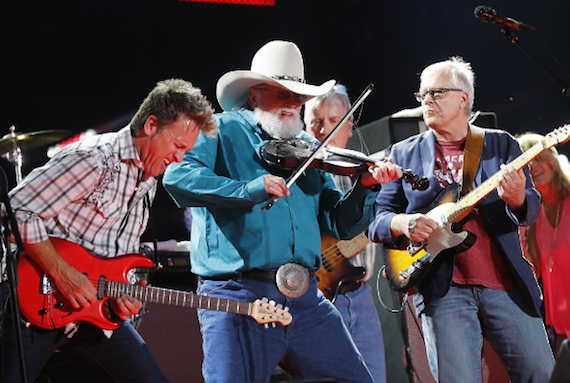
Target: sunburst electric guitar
<point x="45" y="307"/>
<point x="335" y="267"/>
<point x="408" y="264"/>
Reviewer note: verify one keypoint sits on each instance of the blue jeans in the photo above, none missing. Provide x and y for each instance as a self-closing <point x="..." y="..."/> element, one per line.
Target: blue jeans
<point x="454" y="327"/>
<point x="360" y="317"/>
<point x="124" y="357"/>
<point x="316" y="345"/>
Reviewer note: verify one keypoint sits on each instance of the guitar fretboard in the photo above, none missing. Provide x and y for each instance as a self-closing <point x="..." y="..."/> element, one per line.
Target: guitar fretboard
<point x="114" y="289"/>
<point x="466" y="204"/>
<point x="353" y="246"/>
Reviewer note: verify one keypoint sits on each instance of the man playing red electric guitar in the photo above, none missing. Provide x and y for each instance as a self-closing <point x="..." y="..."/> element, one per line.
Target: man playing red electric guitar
<point x="96" y="193"/>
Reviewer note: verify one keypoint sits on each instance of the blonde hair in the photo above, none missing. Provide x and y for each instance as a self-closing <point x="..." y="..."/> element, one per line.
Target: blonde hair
<point x="560" y="183"/>
<point x="561" y="174"/>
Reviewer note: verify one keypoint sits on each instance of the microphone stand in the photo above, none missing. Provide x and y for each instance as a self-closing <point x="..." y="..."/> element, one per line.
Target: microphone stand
<point x="507" y="33"/>
<point x="11" y="264"/>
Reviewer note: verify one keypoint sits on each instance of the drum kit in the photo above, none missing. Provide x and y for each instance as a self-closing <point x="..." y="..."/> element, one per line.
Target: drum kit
<point x="12" y="144"/>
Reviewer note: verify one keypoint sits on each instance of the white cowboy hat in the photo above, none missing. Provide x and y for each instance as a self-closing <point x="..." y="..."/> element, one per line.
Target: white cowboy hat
<point x="277" y="63"/>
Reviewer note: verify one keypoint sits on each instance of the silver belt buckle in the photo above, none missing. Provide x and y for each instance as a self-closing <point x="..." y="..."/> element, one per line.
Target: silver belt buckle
<point x="292" y="280"/>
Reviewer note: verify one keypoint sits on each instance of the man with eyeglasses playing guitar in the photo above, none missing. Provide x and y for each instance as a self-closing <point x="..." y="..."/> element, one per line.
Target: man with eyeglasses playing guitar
<point x="467" y="289"/>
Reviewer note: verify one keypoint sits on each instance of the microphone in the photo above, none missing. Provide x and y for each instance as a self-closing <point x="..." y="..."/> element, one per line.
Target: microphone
<point x="489" y="15"/>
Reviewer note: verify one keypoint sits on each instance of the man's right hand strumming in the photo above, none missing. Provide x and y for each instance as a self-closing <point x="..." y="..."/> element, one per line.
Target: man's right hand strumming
<point x="74" y="286"/>
<point x="416" y="227"/>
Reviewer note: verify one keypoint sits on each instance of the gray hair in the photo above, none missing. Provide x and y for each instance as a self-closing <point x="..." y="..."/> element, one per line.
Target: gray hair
<point x="461" y="74"/>
<point x="338" y="92"/>
<point x="171" y="99"/>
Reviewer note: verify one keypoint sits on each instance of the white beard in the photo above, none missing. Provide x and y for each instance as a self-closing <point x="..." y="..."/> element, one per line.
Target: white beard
<point x="277" y="128"/>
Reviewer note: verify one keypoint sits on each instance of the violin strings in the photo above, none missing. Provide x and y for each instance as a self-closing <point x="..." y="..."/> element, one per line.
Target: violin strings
<point x="363" y="146"/>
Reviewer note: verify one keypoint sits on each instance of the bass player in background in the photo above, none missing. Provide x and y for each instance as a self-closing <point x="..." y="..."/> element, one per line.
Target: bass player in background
<point x="97" y="193"/>
<point x="488" y="290"/>
<point x="354" y="297"/>
<point x="547" y="241"/>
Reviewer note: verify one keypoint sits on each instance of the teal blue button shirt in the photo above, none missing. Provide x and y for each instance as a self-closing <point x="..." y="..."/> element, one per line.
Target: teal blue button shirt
<point x="221" y="178"/>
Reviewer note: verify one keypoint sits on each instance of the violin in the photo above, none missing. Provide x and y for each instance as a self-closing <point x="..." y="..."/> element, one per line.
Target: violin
<point x="321" y="150"/>
<point x="290" y="154"/>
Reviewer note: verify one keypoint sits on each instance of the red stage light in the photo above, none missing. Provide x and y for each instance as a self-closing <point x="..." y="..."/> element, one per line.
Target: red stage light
<point x="269" y="3"/>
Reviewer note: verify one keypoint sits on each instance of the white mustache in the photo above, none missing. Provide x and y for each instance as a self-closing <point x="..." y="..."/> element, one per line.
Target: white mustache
<point x="288" y="110"/>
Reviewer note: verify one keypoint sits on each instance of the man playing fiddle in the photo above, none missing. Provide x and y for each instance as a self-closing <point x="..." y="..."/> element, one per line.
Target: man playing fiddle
<point x="242" y="251"/>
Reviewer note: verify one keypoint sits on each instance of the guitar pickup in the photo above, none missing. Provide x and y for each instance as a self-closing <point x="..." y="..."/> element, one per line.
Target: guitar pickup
<point x="404" y="274"/>
<point x="414" y="247"/>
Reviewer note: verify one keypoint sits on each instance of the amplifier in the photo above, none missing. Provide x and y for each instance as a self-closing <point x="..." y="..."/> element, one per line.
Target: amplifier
<point x="173" y="256"/>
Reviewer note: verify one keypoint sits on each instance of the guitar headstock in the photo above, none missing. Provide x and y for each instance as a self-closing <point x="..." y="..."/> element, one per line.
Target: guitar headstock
<point x="265" y="311"/>
<point x="557" y="136"/>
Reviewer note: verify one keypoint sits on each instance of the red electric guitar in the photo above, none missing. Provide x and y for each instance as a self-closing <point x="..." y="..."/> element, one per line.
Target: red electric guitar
<point x="45" y="307"/>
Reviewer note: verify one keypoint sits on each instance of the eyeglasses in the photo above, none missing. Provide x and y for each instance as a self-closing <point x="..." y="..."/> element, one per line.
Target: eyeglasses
<point x="435" y="94"/>
<point x="284" y="95"/>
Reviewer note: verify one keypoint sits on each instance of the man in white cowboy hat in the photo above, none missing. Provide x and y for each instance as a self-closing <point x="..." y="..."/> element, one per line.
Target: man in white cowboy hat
<point x="244" y="252"/>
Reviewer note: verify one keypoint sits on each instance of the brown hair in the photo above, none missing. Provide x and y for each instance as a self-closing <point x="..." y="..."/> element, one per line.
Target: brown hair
<point x="169" y="100"/>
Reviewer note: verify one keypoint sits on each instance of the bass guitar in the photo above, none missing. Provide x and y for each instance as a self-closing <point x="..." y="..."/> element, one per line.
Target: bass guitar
<point x="335" y="267"/>
<point x="45" y="307"/>
<point x="407" y="264"/>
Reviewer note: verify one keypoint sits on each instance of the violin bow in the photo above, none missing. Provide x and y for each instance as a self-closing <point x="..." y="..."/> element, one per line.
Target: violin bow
<point x="291" y="180"/>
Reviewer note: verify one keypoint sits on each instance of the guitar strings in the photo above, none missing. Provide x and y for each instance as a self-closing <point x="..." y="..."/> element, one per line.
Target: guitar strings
<point x="234" y="305"/>
<point x="332" y="250"/>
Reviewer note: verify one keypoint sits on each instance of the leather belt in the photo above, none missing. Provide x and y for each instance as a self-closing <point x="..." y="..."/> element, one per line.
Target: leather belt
<point x="257" y="274"/>
<point x="291" y="279"/>
<point x="349" y="286"/>
<point x="260" y="275"/>
<point x="268" y="275"/>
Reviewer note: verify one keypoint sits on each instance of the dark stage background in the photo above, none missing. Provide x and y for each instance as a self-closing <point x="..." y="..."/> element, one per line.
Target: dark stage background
<point x="79" y="65"/>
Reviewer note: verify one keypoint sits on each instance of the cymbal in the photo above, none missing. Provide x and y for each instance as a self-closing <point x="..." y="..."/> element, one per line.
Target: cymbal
<point x="31" y="140"/>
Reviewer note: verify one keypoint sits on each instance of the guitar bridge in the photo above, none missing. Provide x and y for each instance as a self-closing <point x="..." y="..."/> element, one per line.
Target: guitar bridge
<point x="46" y="286"/>
<point x="417" y="265"/>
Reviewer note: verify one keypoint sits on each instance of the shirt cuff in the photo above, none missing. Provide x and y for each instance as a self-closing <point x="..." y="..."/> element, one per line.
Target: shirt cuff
<point x="256" y="190"/>
<point x="32" y="229"/>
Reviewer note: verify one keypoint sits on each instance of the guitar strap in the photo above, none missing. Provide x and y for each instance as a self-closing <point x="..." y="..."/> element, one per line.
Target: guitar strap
<point x="152" y="227"/>
<point x="471" y="156"/>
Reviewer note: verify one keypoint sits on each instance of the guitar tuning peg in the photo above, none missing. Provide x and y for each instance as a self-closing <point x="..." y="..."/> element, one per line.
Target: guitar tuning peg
<point x="286" y="309"/>
<point x="272" y="302"/>
<point x="265" y="300"/>
<point x="266" y="325"/>
<point x="279" y="306"/>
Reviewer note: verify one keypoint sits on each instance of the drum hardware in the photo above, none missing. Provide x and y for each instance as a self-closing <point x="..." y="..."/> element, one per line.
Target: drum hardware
<point x="12" y="144"/>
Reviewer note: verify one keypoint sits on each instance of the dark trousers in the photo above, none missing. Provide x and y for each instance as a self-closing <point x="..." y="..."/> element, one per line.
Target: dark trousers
<point x="124" y="357"/>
